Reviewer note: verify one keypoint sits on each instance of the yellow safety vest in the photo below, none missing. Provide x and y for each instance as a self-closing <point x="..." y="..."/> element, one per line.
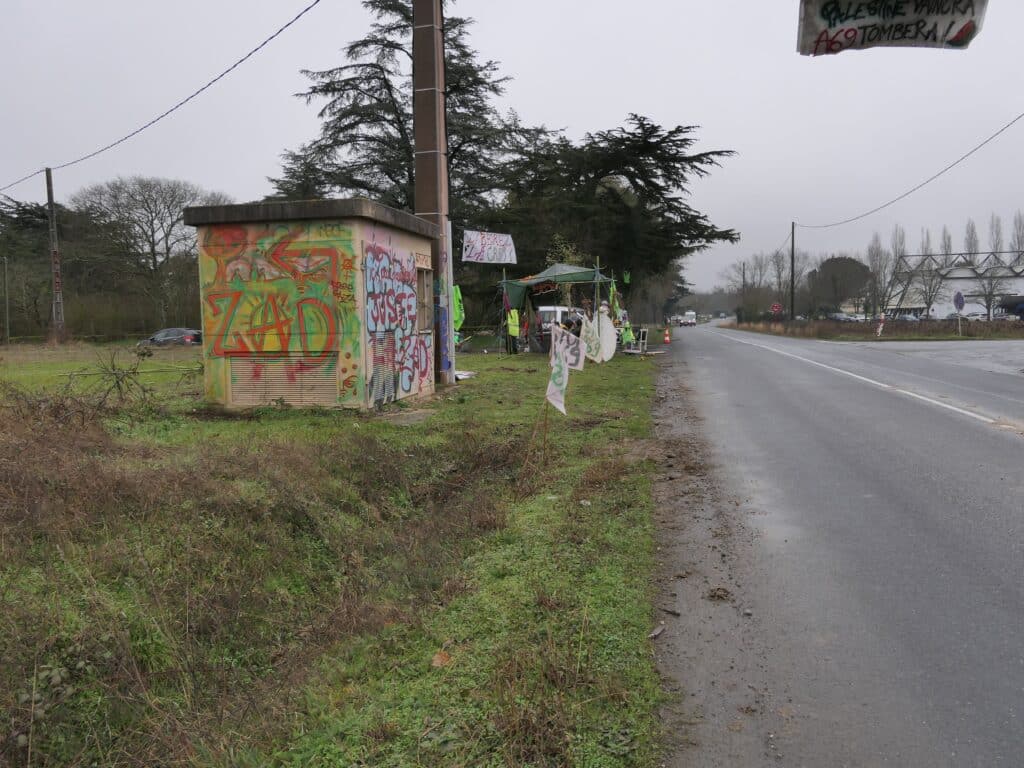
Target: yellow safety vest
<point x="513" y="322"/>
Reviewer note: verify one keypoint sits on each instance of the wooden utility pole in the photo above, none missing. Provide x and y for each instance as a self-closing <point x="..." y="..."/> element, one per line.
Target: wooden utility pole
<point x="7" y="307"/>
<point x="57" y="330"/>
<point x="792" y="270"/>
<point x="431" y="169"/>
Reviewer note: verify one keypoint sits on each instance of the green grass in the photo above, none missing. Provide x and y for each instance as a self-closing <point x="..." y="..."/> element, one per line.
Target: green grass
<point x="40" y="366"/>
<point x="332" y="588"/>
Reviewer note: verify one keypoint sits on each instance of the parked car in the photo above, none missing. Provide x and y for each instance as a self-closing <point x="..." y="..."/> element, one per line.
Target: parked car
<point x="976" y="316"/>
<point x="907" y="318"/>
<point x="169" y="336"/>
<point x="842" y="317"/>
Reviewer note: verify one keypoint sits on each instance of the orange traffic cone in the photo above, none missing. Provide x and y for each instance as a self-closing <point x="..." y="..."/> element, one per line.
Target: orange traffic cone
<point x="668" y="336"/>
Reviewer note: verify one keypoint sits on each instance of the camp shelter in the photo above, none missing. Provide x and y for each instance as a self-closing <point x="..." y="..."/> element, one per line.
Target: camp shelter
<point x="549" y="281"/>
<point x="556" y="274"/>
<point x="315" y="303"/>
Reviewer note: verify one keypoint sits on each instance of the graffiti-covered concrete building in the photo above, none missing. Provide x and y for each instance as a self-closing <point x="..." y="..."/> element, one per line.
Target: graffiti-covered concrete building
<point x="326" y="302"/>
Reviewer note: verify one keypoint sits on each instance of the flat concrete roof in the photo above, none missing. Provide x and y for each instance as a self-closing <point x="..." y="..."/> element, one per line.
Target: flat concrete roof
<point x="294" y="210"/>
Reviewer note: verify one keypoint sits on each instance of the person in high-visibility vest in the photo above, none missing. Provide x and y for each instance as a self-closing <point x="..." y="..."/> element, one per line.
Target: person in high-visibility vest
<point x="512" y="331"/>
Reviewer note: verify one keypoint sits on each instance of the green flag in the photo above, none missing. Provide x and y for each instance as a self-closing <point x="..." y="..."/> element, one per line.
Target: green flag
<point x="458" y="311"/>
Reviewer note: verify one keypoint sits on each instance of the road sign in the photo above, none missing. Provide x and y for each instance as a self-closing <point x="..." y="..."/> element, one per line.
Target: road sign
<point x="776" y="308"/>
<point x="958" y="301"/>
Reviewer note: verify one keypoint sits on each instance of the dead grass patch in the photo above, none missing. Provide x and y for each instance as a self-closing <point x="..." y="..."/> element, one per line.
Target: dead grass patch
<point x="188" y="600"/>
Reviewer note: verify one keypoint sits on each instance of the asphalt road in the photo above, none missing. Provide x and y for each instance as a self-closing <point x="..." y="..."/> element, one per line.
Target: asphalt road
<point x="883" y="487"/>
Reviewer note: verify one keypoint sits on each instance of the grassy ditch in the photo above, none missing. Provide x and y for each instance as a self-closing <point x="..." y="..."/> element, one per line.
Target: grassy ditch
<point x="929" y="330"/>
<point x="281" y="587"/>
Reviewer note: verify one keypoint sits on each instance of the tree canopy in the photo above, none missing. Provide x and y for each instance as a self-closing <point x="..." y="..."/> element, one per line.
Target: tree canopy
<point x="128" y="262"/>
<point x="836" y="280"/>
<point x="618" y="195"/>
<point x="365" y="146"/>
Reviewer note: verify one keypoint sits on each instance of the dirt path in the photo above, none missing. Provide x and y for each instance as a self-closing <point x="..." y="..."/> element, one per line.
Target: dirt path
<point x="709" y="653"/>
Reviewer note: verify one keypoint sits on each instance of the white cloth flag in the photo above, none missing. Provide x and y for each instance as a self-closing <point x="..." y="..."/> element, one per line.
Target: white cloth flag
<point x="562" y="357"/>
<point x="591" y="339"/>
<point x="568" y="346"/>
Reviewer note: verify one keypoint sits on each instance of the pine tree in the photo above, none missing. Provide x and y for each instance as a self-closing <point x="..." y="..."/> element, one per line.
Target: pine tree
<point x="365" y="145"/>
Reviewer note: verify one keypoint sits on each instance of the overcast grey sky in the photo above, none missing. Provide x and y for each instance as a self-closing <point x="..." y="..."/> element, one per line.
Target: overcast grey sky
<point x="818" y="140"/>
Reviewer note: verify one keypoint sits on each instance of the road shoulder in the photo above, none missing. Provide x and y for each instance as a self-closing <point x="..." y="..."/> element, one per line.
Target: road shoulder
<point x="720" y="711"/>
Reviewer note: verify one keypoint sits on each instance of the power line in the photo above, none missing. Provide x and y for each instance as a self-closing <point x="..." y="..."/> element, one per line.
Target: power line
<point x="784" y="242"/>
<point x="23" y="178"/>
<point x="924" y="183"/>
<point x="176" y="107"/>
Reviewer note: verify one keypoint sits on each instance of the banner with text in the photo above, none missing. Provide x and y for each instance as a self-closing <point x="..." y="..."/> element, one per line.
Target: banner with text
<point x="567" y="346"/>
<point x="834" y="26"/>
<point x="566" y="355"/>
<point x="488" y="248"/>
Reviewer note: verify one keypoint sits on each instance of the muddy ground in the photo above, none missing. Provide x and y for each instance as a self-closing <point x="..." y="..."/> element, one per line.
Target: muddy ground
<point x="721" y="710"/>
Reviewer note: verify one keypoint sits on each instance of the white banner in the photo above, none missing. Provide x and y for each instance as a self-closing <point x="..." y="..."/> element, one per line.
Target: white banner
<point x="488" y="248"/>
<point x="568" y="346"/>
<point x="559" y="380"/>
<point x="591" y="339"/>
<point x="833" y="26"/>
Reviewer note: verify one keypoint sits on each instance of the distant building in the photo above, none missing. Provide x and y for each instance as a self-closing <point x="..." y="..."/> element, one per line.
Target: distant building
<point x="963" y="272"/>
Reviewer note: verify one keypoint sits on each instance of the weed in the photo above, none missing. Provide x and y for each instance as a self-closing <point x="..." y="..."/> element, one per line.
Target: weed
<point x="208" y="588"/>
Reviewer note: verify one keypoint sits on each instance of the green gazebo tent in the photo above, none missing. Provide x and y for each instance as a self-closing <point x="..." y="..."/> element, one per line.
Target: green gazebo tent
<point x="556" y="273"/>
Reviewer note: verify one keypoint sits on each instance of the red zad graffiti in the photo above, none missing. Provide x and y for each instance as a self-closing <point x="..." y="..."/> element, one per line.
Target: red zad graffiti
<point x="284" y="294"/>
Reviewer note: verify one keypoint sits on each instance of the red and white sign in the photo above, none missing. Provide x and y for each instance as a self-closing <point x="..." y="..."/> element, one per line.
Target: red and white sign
<point x="776" y="308"/>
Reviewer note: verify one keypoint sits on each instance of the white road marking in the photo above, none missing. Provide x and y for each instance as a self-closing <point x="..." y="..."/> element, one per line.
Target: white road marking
<point x="865" y="379"/>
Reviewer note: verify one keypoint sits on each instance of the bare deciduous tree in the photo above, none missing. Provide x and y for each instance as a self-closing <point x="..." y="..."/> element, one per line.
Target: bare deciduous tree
<point x="780" y="274"/>
<point x="147" y="212"/>
<point x="946" y="247"/>
<point x="760" y="268"/>
<point x="971" y="245"/>
<point x="899" y="243"/>
<point x="882" y="266"/>
<point x="1017" y="238"/>
<point x="991" y="286"/>
<point x="929" y="281"/>
<point x="751" y="280"/>
<point x="995" y="233"/>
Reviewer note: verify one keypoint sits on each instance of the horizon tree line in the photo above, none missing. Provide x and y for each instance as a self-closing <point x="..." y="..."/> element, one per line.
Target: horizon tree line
<point x="828" y="281"/>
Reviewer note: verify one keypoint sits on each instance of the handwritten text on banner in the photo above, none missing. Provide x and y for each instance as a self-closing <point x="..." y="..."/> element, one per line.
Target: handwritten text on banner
<point x="833" y="26"/>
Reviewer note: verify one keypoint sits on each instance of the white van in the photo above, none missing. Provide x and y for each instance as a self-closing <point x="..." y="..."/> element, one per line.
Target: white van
<point x="548" y="315"/>
<point x="690" y="318"/>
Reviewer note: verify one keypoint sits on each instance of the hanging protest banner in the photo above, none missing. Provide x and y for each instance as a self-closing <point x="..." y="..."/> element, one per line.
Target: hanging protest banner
<point x="833" y="26"/>
<point x="591" y="339"/>
<point x="561" y="358"/>
<point x="488" y="248"/>
<point x="566" y="344"/>
<point x="558" y="383"/>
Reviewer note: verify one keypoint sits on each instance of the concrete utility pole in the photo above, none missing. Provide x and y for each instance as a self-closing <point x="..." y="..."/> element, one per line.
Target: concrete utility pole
<point x="431" y="169"/>
<point x="57" y="332"/>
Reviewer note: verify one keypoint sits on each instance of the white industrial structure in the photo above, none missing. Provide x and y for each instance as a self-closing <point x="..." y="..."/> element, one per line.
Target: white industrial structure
<point x="997" y="276"/>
